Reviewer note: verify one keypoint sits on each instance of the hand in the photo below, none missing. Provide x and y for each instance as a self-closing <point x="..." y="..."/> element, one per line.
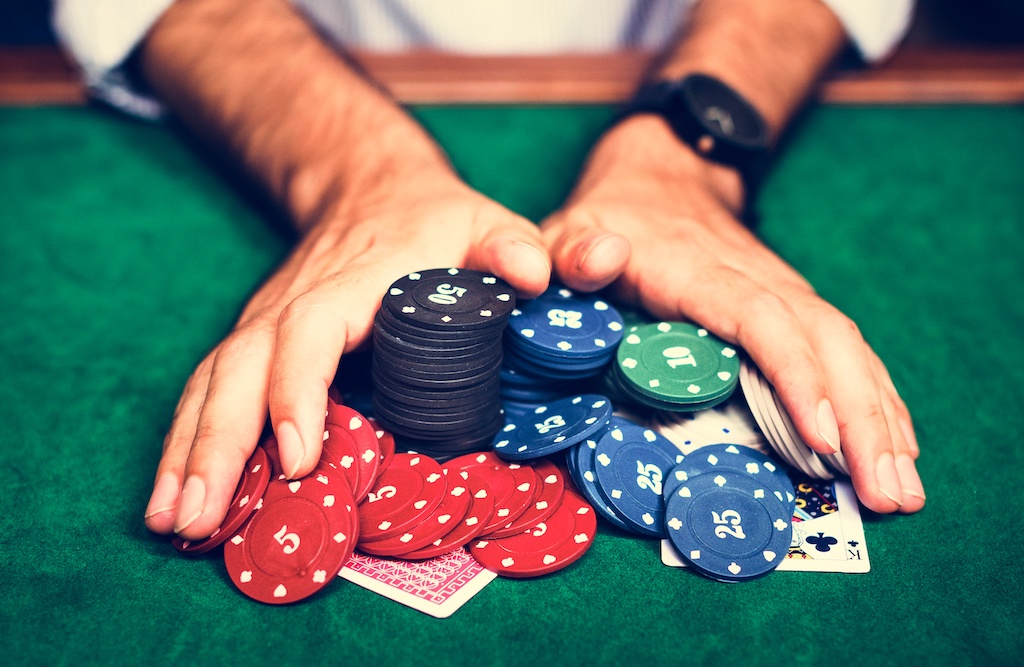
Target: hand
<point x="660" y="225"/>
<point x="283" y="353"/>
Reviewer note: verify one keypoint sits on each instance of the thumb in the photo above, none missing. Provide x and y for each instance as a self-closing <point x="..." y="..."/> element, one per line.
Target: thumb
<point x="511" y="247"/>
<point x="587" y="257"/>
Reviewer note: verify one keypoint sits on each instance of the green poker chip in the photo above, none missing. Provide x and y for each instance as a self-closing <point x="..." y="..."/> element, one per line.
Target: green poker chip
<point x="676" y="363"/>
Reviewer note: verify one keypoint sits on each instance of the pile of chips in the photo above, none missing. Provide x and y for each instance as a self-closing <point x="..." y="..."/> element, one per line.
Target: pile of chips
<point x="284" y="540"/>
<point x="474" y="421"/>
<point x="436" y="359"/>
<point x="726" y="508"/>
<point x="298" y="534"/>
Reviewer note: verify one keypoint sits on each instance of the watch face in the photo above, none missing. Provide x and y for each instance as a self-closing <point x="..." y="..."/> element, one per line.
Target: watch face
<point x="722" y="113"/>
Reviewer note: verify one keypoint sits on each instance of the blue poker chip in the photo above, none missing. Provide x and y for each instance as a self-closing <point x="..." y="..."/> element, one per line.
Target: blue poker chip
<point x="566" y="324"/>
<point x="631" y="463"/>
<point x="736" y="458"/>
<point x="551" y="370"/>
<point x="537" y="395"/>
<point x="553" y="427"/>
<point x="515" y="409"/>
<point x="580" y="461"/>
<point x="728" y="525"/>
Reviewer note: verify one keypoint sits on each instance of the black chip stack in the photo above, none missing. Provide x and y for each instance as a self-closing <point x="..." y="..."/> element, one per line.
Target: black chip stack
<point x="437" y="352"/>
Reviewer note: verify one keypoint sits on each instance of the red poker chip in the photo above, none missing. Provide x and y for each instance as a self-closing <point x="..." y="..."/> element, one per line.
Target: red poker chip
<point x="447" y="516"/>
<point x="297" y="542"/>
<point x="407" y="491"/>
<point x="251" y="486"/>
<point x="386" y="442"/>
<point x="479" y="512"/>
<point x="548" y="498"/>
<point x="548" y="547"/>
<point x="513" y="485"/>
<point x="340" y="452"/>
<point x="367" y="443"/>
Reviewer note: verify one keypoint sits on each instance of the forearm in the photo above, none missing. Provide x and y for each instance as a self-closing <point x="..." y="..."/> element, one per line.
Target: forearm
<point x="772" y="53"/>
<point x="255" y="78"/>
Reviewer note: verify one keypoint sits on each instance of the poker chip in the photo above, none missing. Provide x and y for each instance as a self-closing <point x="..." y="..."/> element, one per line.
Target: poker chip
<point x="728" y="526"/>
<point x="366" y="444"/>
<point x="675" y="366"/>
<point x="513" y="485"/>
<point x="551" y="487"/>
<point x="437" y="354"/>
<point x="297" y="542"/>
<point x="631" y="464"/>
<point x="553" y="427"/>
<point x="340" y="452"/>
<point x="580" y="461"/>
<point x="548" y="547"/>
<point x="735" y="458"/>
<point x="446" y="298"/>
<point x="564" y="325"/>
<point x="472" y="524"/>
<point x="385" y="443"/>
<point x="404" y="493"/>
<point x="255" y="477"/>
<point x="441" y="521"/>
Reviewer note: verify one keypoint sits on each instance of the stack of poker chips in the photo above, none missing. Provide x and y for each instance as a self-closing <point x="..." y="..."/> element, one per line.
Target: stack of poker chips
<point x="437" y="352"/>
<point x="672" y="366"/>
<point x="728" y="512"/>
<point x="554" y="343"/>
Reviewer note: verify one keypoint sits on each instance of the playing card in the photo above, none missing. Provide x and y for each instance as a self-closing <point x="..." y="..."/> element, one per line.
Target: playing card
<point x="828" y="535"/>
<point x="438" y="587"/>
<point x="730" y="422"/>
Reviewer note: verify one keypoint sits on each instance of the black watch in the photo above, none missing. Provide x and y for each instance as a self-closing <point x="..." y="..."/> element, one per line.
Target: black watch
<point x="709" y="116"/>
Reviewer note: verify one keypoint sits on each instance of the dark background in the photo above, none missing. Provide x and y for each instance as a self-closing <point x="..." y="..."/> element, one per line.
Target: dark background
<point x="954" y="22"/>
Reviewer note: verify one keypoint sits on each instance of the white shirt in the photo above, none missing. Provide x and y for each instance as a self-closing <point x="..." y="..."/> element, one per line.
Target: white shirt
<point x="101" y="34"/>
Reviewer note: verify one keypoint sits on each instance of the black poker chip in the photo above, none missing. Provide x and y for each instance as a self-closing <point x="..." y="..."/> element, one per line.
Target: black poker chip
<point x="451" y="299"/>
<point x="437" y="355"/>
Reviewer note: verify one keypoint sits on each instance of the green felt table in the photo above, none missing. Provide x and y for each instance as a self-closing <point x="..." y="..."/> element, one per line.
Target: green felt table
<point x="125" y="254"/>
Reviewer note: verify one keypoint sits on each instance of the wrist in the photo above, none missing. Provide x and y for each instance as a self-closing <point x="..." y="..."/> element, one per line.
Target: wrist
<point x="389" y="155"/>
<point x="645" y="146"/>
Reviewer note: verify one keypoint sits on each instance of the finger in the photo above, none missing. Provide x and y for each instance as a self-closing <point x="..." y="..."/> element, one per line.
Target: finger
<point x="510" y="247"/>
<point x="910" y="480"/>
<point x="903" y="418"/>
<point x="736" y="308"/>
<point x="227" y="430"/>
<point x="312" y="334"/>
<point x="586" y="256"/>
<point x="867" y="441"/>
<point x="163" y="502"/>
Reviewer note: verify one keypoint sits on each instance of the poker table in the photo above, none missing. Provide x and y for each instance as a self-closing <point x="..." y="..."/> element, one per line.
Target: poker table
<point x="126" y="252"/>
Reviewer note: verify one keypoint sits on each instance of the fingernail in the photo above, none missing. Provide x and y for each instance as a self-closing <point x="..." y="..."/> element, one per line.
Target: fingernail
<point x="542" y="256"/>
<point x="909" y="436"/>
<point x="909" y="479"/>
<point x="165" y="495"/>
<point x="888" y="478"/>
<point x="590" y="247"/>
<point x="825" y="422"/>
<point x="191" y="503"/>
<point x="291" y="448"/>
